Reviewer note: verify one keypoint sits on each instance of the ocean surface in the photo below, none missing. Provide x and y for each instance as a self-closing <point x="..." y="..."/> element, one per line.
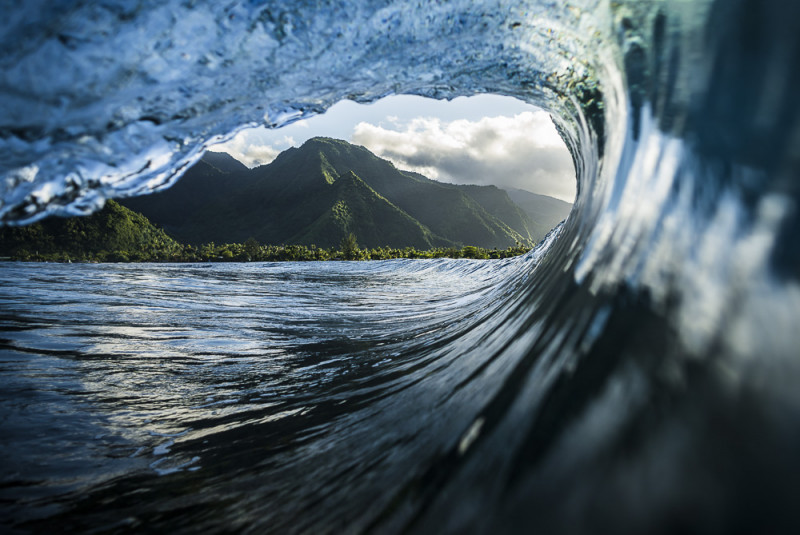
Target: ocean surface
<point x="637" y="373"/>
<point x="271" y="386"/>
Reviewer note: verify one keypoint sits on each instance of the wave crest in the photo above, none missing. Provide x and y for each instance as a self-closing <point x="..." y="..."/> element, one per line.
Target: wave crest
<point x="654" y="345"/>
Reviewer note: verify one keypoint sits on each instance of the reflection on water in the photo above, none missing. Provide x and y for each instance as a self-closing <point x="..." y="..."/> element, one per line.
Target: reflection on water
<point x="642" y="379"/>
<point x="258" y="385"/>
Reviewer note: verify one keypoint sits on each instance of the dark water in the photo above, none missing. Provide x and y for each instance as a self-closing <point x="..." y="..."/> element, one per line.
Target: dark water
<point x="639" y="375"/>
<point x="273" y="387"/>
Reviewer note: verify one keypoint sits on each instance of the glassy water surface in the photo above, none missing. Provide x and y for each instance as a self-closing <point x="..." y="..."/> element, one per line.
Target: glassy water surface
<point x="165" y="388"/>
<point x="641" y="379"/>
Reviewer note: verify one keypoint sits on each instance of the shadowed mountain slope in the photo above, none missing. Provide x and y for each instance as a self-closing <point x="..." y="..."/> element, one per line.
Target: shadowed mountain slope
<point x="114" y="229"/>
<point x="543" y="212"/>
<point x="324" y="190"/>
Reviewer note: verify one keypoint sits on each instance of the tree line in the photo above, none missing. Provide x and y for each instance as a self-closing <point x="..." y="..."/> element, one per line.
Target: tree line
<point x="116" y="234"/>
<point x="252" y="251"/>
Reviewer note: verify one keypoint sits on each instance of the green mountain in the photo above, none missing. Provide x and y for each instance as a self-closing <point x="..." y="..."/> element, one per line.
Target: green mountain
<point x="324" y="190"/>
<point x="113" y="233"/>
<point x="544" y="212"/>
<point x="498" y="202"/>
<point x="359" y="209"/>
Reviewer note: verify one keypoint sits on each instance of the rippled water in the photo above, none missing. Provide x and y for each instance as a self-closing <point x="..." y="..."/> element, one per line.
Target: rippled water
<point x="268" y="385"/>
<point x="640" y="378"/>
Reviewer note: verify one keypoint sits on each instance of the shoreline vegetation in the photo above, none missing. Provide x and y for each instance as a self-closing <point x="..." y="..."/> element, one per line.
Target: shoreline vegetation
<point x="251" y="251"/>
<point x="144" y="243"/>
<point x="117" y="234"/>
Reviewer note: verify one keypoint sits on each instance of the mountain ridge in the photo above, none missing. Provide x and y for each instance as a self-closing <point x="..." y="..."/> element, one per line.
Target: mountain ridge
<point x="299" y="198"/>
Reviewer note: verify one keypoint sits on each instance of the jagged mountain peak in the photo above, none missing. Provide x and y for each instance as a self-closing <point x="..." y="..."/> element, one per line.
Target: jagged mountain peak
<point x="223" y="162"/>
<point x="303" y="194"/>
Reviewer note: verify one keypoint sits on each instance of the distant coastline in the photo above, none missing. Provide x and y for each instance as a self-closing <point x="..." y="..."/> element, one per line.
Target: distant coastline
<point x="329" y="199"/>
<point x="250" y="252"/>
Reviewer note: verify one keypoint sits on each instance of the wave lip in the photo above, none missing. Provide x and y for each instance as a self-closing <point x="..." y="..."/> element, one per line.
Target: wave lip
<point x="74" y="133"/>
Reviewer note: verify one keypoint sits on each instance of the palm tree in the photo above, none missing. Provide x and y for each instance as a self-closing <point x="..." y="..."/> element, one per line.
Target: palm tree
<point x="349" y="247"/>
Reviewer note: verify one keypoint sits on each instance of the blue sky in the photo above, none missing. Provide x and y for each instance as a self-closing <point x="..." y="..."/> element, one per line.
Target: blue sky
<point x="485" y="139"/>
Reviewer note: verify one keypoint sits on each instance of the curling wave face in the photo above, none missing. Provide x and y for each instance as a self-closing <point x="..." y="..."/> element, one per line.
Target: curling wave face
<point x="644" y="376"/>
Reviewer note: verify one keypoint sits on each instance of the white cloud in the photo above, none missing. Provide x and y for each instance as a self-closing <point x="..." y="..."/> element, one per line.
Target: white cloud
<point x="250" y="154"/>
<point x="523" y="151"/>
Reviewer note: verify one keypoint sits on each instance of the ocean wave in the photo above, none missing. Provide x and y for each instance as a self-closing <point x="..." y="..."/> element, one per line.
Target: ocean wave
<point x="636" y="374"/>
